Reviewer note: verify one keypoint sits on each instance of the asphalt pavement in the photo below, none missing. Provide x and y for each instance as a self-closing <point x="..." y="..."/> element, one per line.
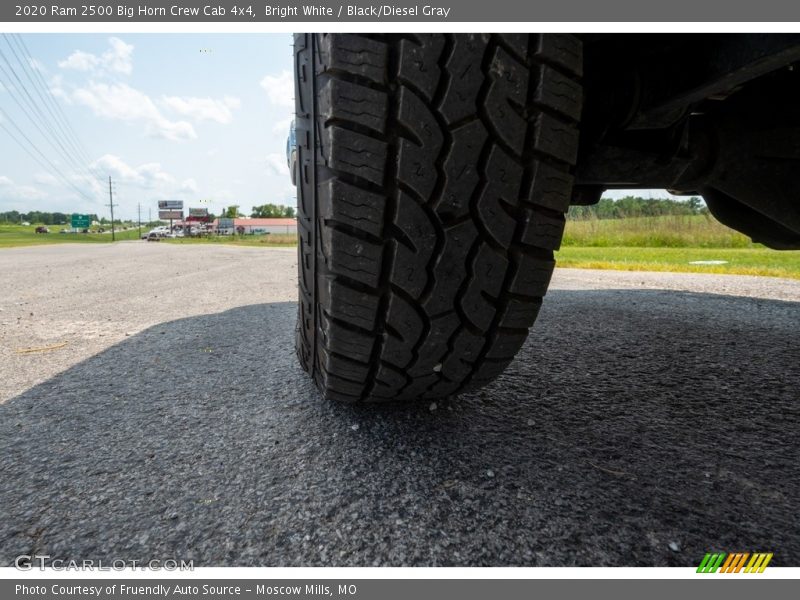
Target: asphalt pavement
<point x="649" y="418"/>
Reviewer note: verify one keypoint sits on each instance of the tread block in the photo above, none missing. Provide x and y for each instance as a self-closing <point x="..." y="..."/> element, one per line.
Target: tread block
<point x="467" y="347"/>
<point x="519" y="315"/>
<point x="461" y="170"/>
<point x="356" y="344"/>
<point x="451" y="268"/>
<point x="355" y="153"/>
<point x="465" y="77"/>
<point x="556" y="138"/>
<point x="435" y="345"/>
<point x="416" y="162"/>
<point x="551" y="187"/>
<point x="509" y="85"/>
<point x="351" y="256"/>
<point x="517" y="43"/>
<point x="343" y="386"/>
<point x="543" y="230"/>
<point x="352" y="205"/>
<point x="410" y="272"/>
<point x="561" y="49"/>
<point x="419" y="63"/>
<point x="347" y="304"/>
<point x="354" y="54"/>
<point x="488" y="272"/>
<point x="390" y="379"/>
<point x="443" y="388"/>
<point x="396" y="351"/>
<point x="532" y="276"/>
<point x="403" y="318"/>
<point x="347" y="368"/>
<point x="418" y="388"/>
<point x="339" y="99"/>
<point x="504" y="177"/>
<point x="558" y="92"/>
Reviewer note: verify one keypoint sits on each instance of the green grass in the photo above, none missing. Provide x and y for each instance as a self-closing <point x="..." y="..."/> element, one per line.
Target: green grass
<point x="266" y="240"/>
<point x="670" y="243"/>
<point x="17" y="235"/>
<point x="740" y="261"/>
<point x="683" y="231"/>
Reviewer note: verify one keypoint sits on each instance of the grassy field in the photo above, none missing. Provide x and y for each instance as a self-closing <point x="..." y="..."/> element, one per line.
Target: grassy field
<point x="267" y="240"/>
<point x="670" y="243"/>
<point x="695" y="231"/>
<point x="739" y="261"/>
<point x="17" y="235"/>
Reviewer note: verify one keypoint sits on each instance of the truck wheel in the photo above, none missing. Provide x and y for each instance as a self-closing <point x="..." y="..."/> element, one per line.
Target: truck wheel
<point x="433" y="176"/>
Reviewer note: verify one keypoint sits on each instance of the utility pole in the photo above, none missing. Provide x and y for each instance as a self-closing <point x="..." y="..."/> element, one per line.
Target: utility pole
<point x="139" y="212"/>
<point x="111" y="204"/>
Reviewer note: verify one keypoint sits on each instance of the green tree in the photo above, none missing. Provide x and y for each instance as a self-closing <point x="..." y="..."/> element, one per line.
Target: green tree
<point x="231" y="212"/>
<point x="267" y="211"/>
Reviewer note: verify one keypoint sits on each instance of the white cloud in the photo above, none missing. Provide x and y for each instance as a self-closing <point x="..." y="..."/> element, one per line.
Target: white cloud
<point x="276" y="165"/>
<point x="280" y="89"/>
<point x="117" y="59"/>
<point x="147" y="175"/>
<point x="46" y="179"/>
<point x="11" y="190"/>
<point x="203" y="109"/>
<point x="122" y="102"/>
<point x="189" y="186"/>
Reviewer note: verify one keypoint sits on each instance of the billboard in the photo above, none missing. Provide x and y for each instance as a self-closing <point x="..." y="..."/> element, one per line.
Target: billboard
<point x="198" y="212"/>
<point x="167" y="215"/>
<point x="170" y="205"/>
<point x="225" y="223"/>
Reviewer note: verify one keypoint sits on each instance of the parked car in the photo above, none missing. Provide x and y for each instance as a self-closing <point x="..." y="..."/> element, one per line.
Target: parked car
<point x="154" y="236"/>
<point x="42" y="229"/>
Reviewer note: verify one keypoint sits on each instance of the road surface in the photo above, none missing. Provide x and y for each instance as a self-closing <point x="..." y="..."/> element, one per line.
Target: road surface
<point x="152" y="408"/>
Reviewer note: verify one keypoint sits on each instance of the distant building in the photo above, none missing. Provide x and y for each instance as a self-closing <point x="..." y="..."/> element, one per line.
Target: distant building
<point x="256" y="226"/>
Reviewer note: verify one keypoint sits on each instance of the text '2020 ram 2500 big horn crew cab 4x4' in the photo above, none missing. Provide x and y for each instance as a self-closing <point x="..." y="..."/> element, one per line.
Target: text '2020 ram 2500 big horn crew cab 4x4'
<point x="433" y="172"/>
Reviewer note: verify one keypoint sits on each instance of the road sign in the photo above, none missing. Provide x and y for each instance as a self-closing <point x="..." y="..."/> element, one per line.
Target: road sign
<point x="167" y="215"/>
<point x="81" y="221"/>
<point x="170" y="205"/>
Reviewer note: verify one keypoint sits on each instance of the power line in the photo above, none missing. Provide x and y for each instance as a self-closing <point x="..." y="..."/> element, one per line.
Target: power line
<point x="37" y="150"/>
<point x="59" y="111"/>
<point x="27" y="68"/>
<point x="55" y="142"/>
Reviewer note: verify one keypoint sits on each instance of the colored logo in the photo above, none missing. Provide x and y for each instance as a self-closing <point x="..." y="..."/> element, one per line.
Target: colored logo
<point x="744" y="562"/>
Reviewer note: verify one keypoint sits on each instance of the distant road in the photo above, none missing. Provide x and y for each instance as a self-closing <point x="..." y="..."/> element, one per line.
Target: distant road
<point x="153" y="408"/>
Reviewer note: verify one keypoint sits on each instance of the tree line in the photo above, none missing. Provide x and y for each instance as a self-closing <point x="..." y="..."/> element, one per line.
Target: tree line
<point x="35" y="216"/>
<point x="265" y="211"/>
<point x="636" y="206"/>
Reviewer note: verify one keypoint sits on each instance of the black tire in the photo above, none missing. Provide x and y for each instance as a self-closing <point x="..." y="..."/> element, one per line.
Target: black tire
<point x="433" y="176"/>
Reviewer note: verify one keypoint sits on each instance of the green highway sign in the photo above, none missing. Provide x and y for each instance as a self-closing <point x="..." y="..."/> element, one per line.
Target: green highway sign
<point x="81" y="221"/>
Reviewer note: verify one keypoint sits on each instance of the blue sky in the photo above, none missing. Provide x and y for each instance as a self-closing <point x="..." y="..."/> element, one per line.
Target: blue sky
<point x="197" y="117"/>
